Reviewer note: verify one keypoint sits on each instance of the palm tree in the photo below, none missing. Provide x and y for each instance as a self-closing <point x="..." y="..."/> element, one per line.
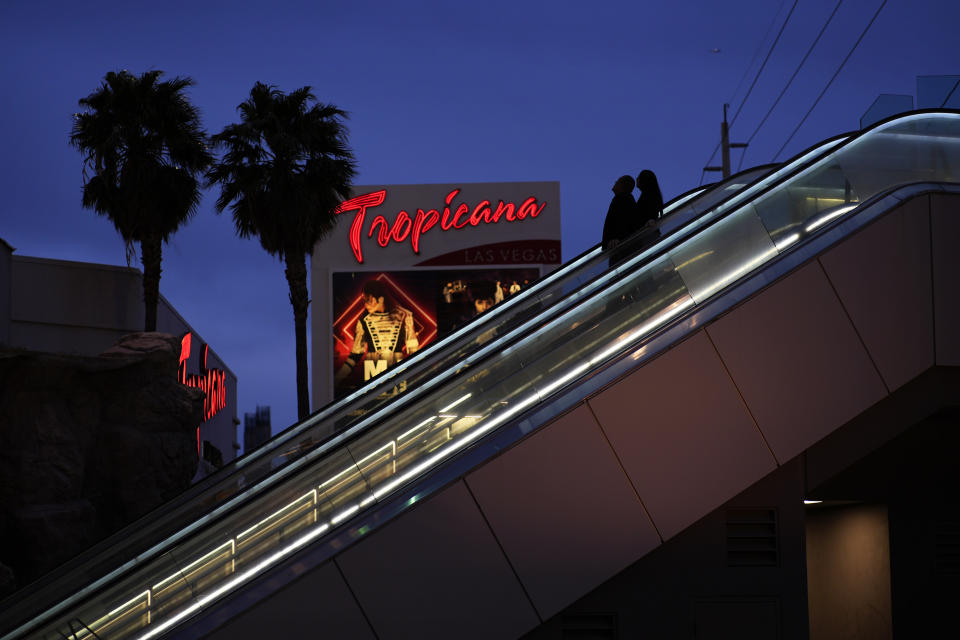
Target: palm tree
<point x="143" y="151"/>
<point x="285" y="168"/>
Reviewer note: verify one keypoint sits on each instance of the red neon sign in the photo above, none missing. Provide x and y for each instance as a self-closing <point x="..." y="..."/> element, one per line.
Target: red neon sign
<point x="403" y="227"/>
<point x="211" y="381"/>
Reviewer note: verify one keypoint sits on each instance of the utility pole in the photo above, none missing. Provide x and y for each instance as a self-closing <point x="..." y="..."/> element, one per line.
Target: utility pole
<point x="725" y="146"/>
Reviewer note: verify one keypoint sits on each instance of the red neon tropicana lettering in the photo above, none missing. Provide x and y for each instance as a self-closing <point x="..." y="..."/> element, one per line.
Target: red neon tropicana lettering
<point x="403" y="228"/>
<point x="421" y="223"/>
<point x="398" y="232"/>
<point x="461" y="210"/>
<point x="383" y="232"/>
<point x="360" y="204"/>
<point x="184" y="356"/>
<point x="481" y="213"/>
<point x="211" y="381"/>
<point x="529" y="207"/>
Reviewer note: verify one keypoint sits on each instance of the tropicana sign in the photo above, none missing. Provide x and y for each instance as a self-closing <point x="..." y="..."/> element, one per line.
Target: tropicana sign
<point x="404" y="227"/>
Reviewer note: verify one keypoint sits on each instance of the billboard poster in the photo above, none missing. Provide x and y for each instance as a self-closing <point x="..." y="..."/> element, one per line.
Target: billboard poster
<point x="382" y="317"/>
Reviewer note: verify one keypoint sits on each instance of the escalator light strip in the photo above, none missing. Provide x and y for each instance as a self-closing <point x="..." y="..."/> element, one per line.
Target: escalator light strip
<point x="179" y="575"/>
<point x="240" y="578"/>
<point x="570" y="375"/>
<point x="456" y="445"/>
<point x="720" y="283"/>
<point x="786" y="242"/>
<point x="277" y="513"/>
<point x="343" y="515"/>
<point x="827" y="218"/>
<point x="126" y="605"/>
<point x="642" y="330"/>
<point x="404" y="435"/>
<point x="356" y="467"/>
<point x="455" y="402"/>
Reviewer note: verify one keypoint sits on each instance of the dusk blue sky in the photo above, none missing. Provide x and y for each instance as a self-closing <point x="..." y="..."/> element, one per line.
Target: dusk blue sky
<point x="437" y="92"/>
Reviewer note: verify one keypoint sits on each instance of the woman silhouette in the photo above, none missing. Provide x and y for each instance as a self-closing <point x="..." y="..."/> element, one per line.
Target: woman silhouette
<point x="650" y="202"/>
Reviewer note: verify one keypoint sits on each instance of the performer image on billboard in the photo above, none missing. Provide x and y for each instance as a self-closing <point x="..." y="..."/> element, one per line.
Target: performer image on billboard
<point x="383" y="335"/>
<point x="381" y="318"/>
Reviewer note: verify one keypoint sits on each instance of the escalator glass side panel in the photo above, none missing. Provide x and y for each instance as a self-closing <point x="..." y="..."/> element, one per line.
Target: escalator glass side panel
<point x="687" y="211"/>
<point x="706" y="270"/>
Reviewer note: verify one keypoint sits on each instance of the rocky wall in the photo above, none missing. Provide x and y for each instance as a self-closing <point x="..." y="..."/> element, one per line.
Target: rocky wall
<point x="87" y="445"/>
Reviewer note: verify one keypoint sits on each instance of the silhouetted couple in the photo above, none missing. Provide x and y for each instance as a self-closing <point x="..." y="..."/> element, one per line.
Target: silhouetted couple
<point x="627" y="217"/>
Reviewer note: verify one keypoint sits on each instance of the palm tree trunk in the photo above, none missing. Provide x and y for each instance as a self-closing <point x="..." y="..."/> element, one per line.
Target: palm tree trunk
<point x="150" y="256"/>
<point x="297" y="279"/>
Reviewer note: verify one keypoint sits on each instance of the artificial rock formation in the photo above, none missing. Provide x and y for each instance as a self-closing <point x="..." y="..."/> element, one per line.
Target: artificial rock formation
<point x="87" y="445"/>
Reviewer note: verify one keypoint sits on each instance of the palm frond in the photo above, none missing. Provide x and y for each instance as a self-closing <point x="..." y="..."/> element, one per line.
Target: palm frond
<point x="144" y="151"/>
<point x="283" y="168"/>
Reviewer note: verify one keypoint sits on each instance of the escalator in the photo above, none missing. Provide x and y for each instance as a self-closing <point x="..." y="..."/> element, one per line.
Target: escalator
<point x="581" y="345"/>
<point x="428" y="368"/>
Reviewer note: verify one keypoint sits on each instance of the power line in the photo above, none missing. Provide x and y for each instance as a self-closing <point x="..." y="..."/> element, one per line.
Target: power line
<point x="765" y="60"/>
<point x="757" y="77"/>
<point x="947" y="99"/>
<point x="815" y="102"/>
<point x="790" y="81"/>
<point x="756" y="53"/>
